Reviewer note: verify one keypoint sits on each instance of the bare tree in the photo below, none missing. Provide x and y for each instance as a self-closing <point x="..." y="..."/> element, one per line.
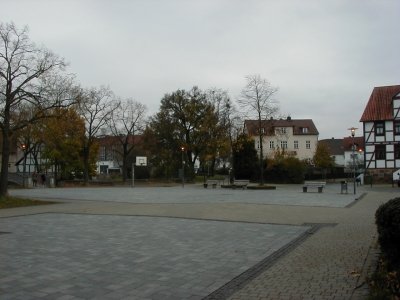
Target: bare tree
<point x="257" y="98"/>
<point x="125" y="123"/>
<point x="28" y="78"/>
<point x="96" y="107"/>
<point x="234" y="127"/>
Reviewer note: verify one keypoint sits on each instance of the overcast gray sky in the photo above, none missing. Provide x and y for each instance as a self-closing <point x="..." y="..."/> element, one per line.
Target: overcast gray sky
<point x="325" y="56"/>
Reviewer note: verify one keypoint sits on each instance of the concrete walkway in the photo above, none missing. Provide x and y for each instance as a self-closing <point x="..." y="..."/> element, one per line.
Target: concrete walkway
<point x="191" y="243"/>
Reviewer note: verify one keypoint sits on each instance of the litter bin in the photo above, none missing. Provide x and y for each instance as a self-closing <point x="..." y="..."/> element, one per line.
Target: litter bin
<point x="343" y="187"/>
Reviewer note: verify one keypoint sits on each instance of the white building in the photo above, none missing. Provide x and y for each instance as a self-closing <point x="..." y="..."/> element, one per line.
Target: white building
<point x="296" y="137"/>
<point x="342" y="151"/>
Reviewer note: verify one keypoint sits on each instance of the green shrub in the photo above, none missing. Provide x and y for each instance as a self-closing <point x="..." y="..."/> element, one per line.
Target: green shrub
<point x="387" y="219"/>
<point x="285" y="170"/>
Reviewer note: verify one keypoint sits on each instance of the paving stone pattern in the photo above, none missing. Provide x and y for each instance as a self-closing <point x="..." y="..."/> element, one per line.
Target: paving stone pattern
<point x="142" y="243"/>
<point x="78" y="256"/>
<point x="286" y="195"/>
<point x="328" y="265"/>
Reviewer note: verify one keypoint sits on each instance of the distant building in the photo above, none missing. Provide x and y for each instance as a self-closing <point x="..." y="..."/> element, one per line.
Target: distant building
<point x="336" y="150"/>
<point x="381" y="124"/>
<point x="342" y="151"/>
<point x="110" y="153"/>
<point x="296" y="137"/>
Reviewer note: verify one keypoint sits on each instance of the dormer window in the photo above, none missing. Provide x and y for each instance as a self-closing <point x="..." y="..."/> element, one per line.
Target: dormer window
<point x="281" y="130"/>
<point x="304" y="130"/>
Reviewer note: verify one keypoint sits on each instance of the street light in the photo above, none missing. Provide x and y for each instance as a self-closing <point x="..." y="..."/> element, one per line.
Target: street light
<point x="353" y="133"/>
<point x="183" y="167"/>
<point x="23" y="147"/>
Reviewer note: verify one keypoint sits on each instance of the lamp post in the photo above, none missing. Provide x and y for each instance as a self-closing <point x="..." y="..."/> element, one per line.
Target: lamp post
<point x="133" y="174"/>
<point x="353" y="133"/>
<point x="23" y="147"/>
<point x="183" y="167"/>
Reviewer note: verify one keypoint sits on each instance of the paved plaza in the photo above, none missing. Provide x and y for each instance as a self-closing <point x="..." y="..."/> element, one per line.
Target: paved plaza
<point x="190" y="243"/>
<point x="289" y="195"/>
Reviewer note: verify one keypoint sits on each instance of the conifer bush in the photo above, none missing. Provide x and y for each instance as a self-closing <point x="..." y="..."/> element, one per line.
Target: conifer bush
<point x="387" y="219"/>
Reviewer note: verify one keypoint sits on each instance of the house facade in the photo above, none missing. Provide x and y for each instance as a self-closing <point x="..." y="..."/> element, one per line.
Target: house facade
<point x="109" y="159"/>
<point x="357" y="162"/>
<point x="336" y="150"/>
<point x="296" y="137"/>
<point x="342" y="152"/>
<point x="381" y="125"/>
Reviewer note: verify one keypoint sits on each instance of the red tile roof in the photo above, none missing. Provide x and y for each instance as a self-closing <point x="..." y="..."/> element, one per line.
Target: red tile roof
<point x="270" y="125"/>
<point x="379" y="106"/>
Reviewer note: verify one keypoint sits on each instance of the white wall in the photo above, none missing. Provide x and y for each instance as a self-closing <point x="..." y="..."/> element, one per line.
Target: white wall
<point x="301" y="153"/>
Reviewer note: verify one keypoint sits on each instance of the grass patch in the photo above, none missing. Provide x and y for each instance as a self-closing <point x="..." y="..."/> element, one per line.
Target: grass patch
<point x="11" y="202"/>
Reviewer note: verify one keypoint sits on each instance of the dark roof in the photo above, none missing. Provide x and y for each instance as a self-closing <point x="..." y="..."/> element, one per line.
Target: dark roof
<point x="379" y="106"/>
<point x="335" y="146"/>
<point x="339" y="146"/>
<point x="358" y="140"/>
<point x="270" y="125"/>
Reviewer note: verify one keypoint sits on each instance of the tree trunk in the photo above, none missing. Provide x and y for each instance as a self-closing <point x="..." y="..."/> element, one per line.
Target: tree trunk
<point x="5" y="157"/>
<point x="124" y="167"/>
<point x="213" y="162"/>
<point x="86" y="151"/>
<point x="261" y="150"/>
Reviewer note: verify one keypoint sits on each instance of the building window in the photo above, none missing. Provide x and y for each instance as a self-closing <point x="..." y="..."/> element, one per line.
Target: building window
<point x="284" y="144"/>
<point x="304" y="130"/>
<point x="296" y="144"/>
<point x="111" y="154"/>
<point x="103" y="153"/>
<point x="397" y="151"/>
<point x="396" y="127"/>
<point x="308" y="145"/>
<point x="380" y="128"/>
<point x="380" y="152"/>
<point x="103" y="169"/>
<point x="271" y="145"/>
<point x="281" y="130"/>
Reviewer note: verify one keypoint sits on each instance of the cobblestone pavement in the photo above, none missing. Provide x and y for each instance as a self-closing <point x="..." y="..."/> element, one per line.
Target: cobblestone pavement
<point x="331" y="264"/>
<point x="317" y="249"/>
<point x="87" y="256"/>
<point x="283" y="195"/>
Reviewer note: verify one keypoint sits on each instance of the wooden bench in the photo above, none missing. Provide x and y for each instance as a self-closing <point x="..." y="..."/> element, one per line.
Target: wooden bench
<point x="212" y="182"/>
<point x="241" y="183"/>
<point x="313" y="184"/>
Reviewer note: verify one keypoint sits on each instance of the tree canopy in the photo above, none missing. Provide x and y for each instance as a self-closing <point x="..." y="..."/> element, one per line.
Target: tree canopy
<point x="186" y="120"/>
<point x="31" y="79"/>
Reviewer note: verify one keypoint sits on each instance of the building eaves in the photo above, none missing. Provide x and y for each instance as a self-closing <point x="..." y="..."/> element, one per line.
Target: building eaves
<point x="379" y="106"/>
<point x="270" y="125"/>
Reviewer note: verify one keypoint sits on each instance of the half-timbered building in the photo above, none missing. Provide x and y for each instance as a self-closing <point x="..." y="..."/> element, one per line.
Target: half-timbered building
<point x="381" y="124"/>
